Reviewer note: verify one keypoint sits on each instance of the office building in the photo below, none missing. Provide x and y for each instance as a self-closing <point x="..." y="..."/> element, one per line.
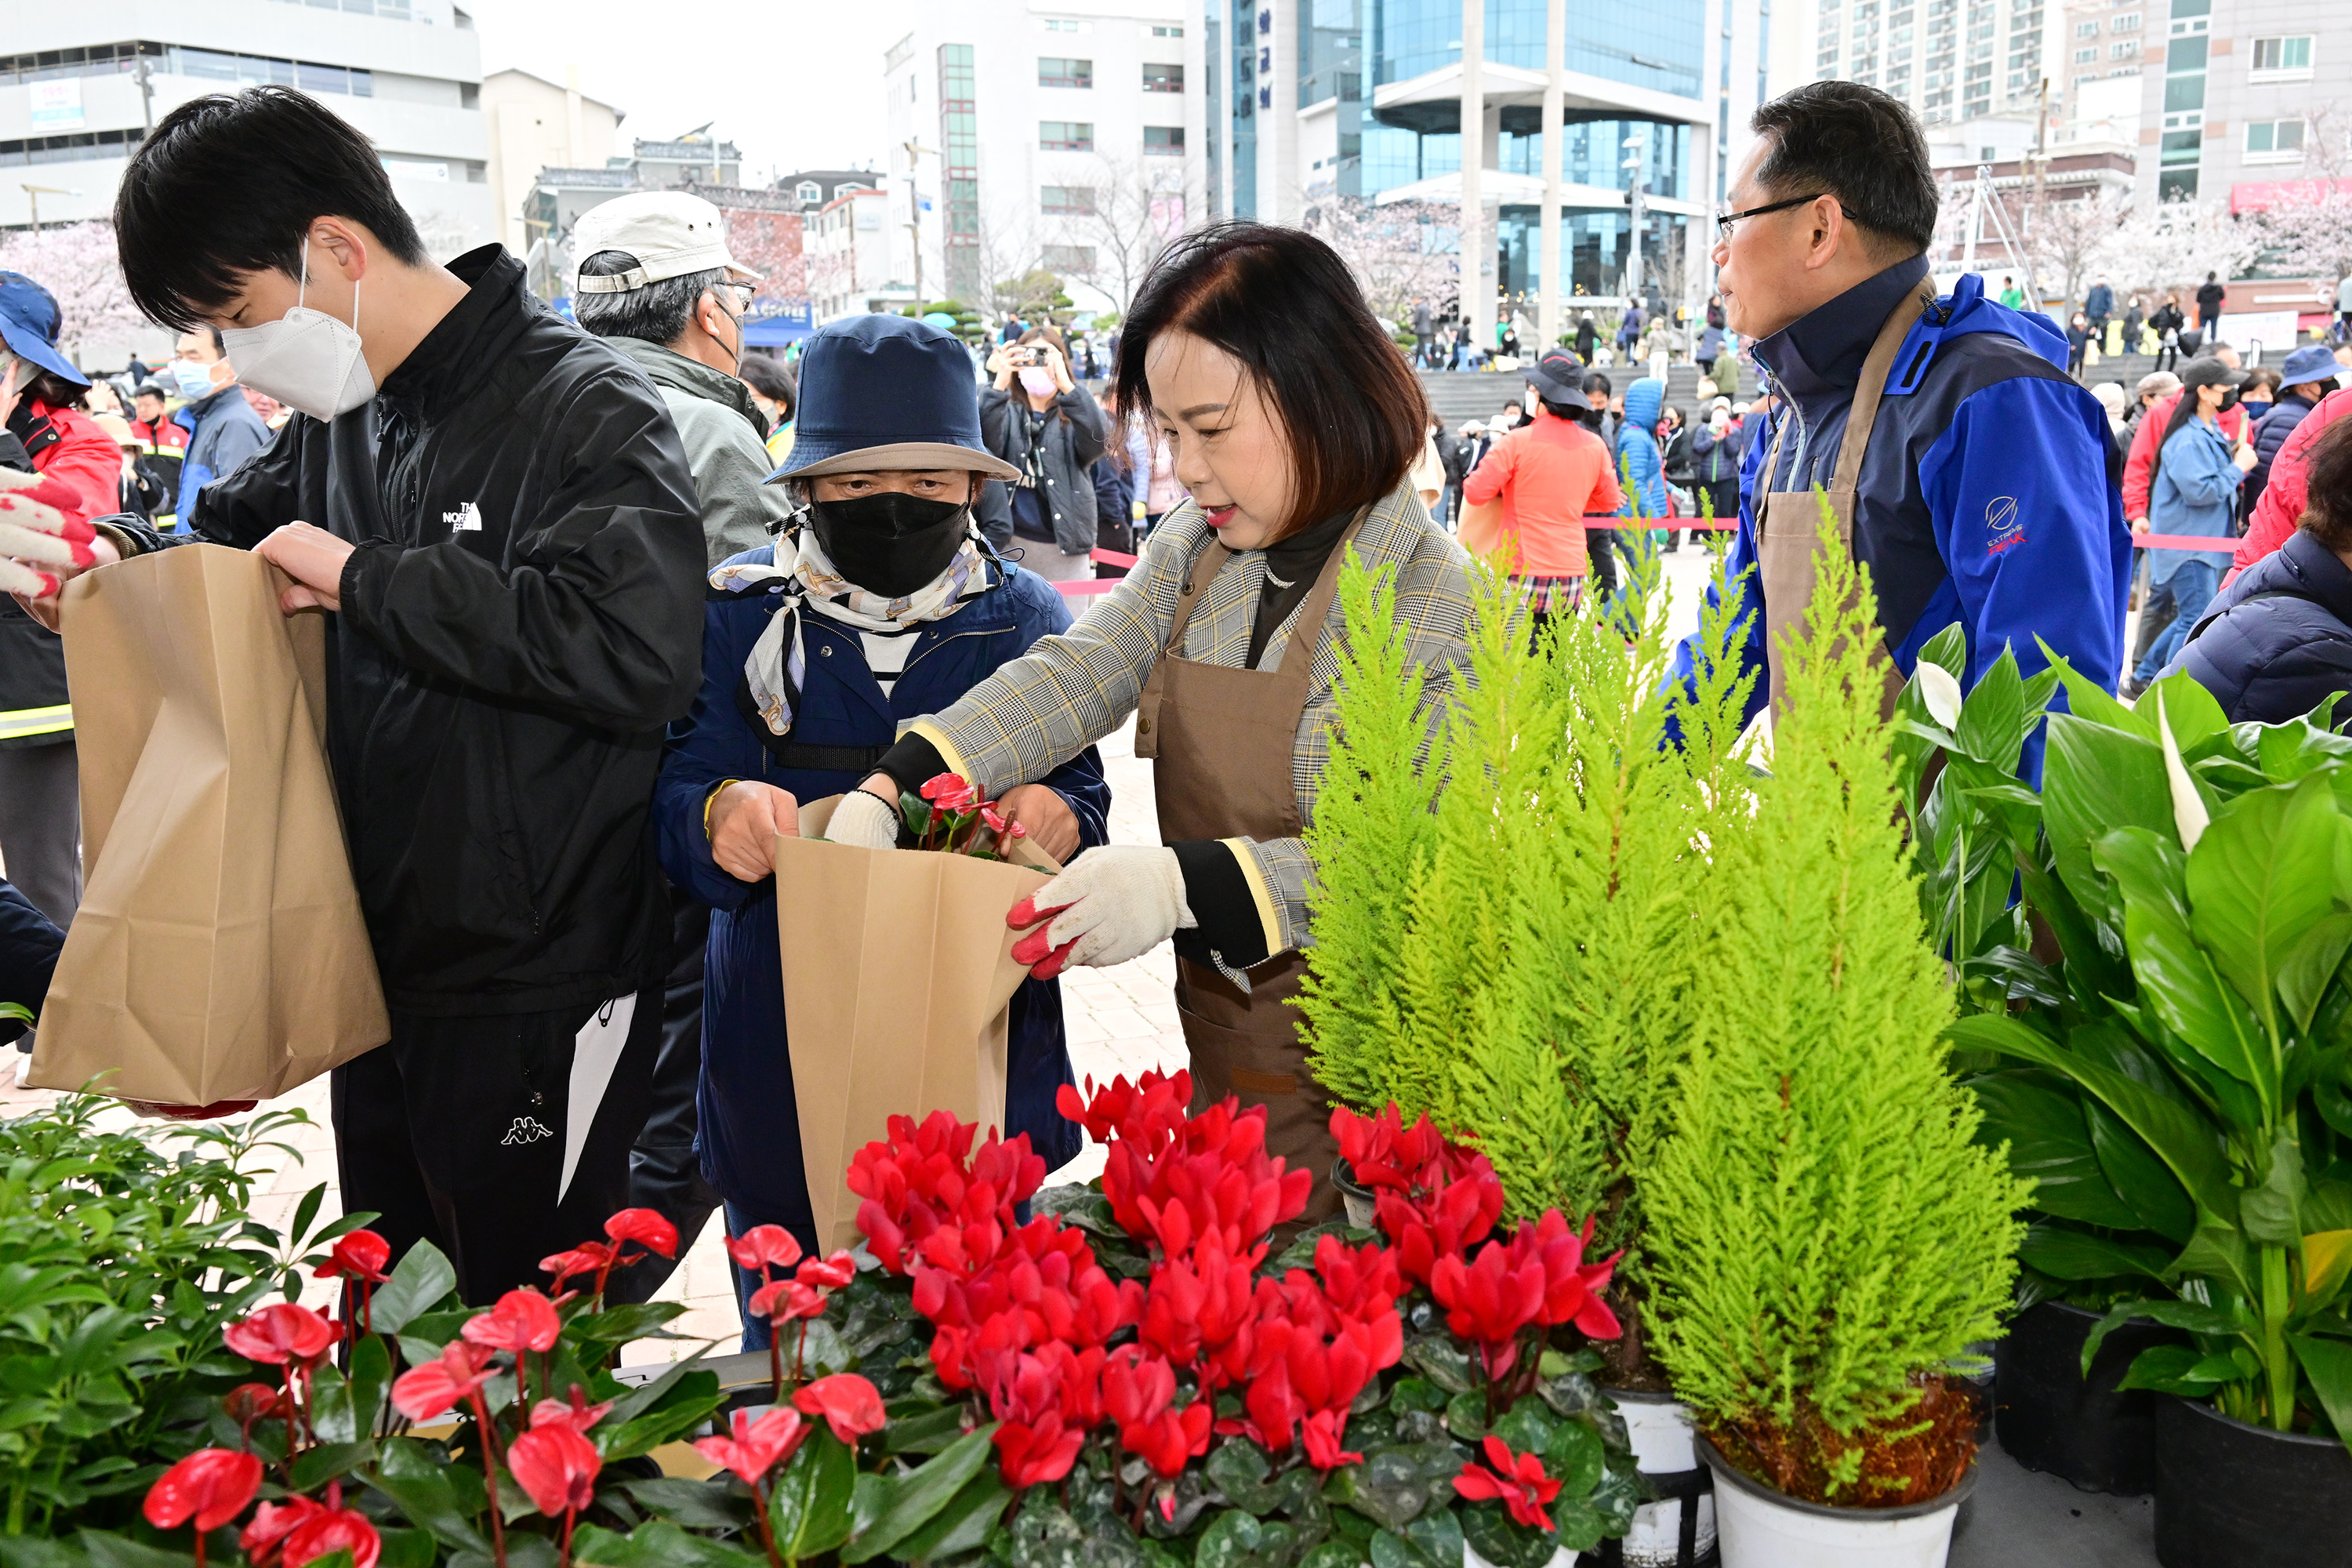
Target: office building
<point x="2236" y="95"/>
<point x="81" y="85"/>
<point x="536" y="127"/>
<point x="1311" y="101"/>
<point x="1021" y="139"/>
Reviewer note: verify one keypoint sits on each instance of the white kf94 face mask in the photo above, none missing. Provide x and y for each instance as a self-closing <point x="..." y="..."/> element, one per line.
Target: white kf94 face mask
<point x="307" y="360"/>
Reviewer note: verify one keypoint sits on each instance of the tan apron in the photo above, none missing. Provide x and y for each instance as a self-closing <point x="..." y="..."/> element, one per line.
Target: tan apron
<point x="1221" y="740"/>
<point x="1787" y="524"/>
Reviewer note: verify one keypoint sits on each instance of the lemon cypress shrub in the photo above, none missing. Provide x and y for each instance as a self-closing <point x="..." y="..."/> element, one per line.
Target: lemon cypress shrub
<point x="1825" y="1237"/>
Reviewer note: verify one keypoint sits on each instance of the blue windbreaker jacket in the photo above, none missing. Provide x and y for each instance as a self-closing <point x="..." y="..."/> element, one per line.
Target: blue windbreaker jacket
<point x="2194" y="491"/>
<point x="1639" y="466"/>
<point x="1988" y="495"/>
<point x="750" y="1125"/>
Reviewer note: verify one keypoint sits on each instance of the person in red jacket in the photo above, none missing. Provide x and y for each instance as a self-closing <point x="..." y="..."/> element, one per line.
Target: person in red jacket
<point x="2283" y="498"/>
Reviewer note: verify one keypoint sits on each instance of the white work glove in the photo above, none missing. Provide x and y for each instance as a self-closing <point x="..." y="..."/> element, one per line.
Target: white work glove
<point x="35" y="532"/>
<point x="865" y="820"/>
<point x="1115" y="902"/>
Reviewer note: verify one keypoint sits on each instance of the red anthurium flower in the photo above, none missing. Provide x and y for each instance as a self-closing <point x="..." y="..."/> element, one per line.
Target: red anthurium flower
<point x="755" y="1448"/>
<point x="762" y="1247"/>
<point x="211" y="1486"/>
<point x="996" y="822"/>
<point x="281" y="1335"/>
<point x="646" y="1228"/>
<point x="274" y="1522"/>
<point x="422" y="1393"/>
<point x="949" y="792"/>
<point x="786" y="1299"/>
<point x="827" y="1273"/>
<point x="522" y="1320"/>
<point x="251" y="1402"/>
<point x="557" y="1467"/>
<point x="849" y="1404"/>
<point x="1490" y="1300"/>
<point x="578" y="1414"/>
<point x="333" y="1528"/>
<point x="1518" y="1481"/>
<point x="356" y="1255"/>
<point x="588" y="1257"/>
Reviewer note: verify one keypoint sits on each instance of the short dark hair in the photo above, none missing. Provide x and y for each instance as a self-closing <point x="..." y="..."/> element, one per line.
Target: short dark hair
<point x="1596" y="381"/>
<point x="230" y="184"/>
<point x="2327" y="480"/>
<point x="657" y="312"/>
<point x="1860" y="145"/>
<point x="1282" y="303"/>
<point x="770" y="380"/>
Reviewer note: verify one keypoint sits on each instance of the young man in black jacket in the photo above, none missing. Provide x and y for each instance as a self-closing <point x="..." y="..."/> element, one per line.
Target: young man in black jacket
<point x="496" y="510"/>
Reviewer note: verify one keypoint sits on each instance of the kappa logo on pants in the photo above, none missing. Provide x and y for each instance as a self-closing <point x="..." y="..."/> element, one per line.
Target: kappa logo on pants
<point x="526" y="1130"/>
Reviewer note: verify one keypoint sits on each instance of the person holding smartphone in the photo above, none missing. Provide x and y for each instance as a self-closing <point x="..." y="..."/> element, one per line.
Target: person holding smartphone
<point x="1049" y="427"/>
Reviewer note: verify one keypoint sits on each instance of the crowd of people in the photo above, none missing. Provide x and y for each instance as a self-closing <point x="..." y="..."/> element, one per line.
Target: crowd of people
<point x="612" y="598"/>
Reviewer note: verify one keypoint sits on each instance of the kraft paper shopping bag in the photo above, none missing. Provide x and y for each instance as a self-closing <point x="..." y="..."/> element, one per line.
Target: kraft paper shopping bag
<point x="219" y="953"/>
<point x="898" y="971"/>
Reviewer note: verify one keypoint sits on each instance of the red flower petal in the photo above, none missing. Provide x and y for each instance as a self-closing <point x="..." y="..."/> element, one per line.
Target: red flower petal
<point x="211" y="1486"/>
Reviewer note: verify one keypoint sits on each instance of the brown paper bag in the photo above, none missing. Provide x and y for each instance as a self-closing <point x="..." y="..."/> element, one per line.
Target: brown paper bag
<point x="219" y="953"/>
<point x="898" y="971"/>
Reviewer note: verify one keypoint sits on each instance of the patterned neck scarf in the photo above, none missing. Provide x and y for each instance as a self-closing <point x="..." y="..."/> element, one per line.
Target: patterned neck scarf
<point x="803" y="576"/>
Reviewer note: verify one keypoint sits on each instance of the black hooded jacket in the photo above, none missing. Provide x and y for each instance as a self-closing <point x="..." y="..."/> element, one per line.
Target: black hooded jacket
<point x="523" y="618"/>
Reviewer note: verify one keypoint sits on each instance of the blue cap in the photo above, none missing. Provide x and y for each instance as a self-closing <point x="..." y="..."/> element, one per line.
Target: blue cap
<point x="887" y="392"/>
<point x="29" y="320"/>
<point x="2313" y="361"/>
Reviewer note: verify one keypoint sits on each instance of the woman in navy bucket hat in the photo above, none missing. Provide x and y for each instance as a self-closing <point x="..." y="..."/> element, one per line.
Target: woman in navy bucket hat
<point x="879" y="602"/>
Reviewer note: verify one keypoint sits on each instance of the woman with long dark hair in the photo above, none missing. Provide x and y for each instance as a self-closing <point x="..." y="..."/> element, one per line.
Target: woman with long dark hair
<point x="2194" y="490"/>
<point x="1293" y="422"/>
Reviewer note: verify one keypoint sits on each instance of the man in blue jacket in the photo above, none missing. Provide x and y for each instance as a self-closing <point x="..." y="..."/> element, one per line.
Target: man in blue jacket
<point x="1979" y="484"/>
<point x="878" y="604"/>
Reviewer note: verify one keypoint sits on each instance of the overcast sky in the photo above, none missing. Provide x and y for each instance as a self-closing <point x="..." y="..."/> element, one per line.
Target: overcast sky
<point x="795" y="84"/>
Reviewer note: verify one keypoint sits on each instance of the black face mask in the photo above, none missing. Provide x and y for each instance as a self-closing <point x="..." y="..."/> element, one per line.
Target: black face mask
<point x="891" y="543"/>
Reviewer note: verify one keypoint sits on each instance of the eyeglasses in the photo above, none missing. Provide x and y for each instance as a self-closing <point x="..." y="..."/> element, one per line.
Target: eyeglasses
<point x="743" y="292"/>
<point x="1723" y="225"/>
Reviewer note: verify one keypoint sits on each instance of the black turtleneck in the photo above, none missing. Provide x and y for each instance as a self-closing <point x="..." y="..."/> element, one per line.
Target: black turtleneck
<point x="1291" y="565"/>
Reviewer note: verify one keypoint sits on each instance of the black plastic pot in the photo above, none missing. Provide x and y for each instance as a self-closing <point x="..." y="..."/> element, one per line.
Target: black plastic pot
<point x="2228" y="1494"/>
<point x="2047" y="1417"/>
<point x="1356" y="1197"/>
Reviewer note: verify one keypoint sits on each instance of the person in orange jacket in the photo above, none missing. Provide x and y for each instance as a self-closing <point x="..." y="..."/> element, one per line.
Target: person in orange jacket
<point x="1550" y="474"/>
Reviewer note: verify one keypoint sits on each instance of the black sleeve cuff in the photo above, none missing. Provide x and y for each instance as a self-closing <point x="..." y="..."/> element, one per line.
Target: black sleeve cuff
<point x="1221" y="899"/>
<point x="912" y="762"/>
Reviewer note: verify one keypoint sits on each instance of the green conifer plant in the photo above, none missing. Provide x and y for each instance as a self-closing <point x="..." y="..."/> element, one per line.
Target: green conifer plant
<point x="1825" y="1237"/>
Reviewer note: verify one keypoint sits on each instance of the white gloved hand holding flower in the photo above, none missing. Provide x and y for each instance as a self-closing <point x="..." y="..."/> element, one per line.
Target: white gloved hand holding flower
<point x="42" y="541"/>
<point x="1113" y="903"/>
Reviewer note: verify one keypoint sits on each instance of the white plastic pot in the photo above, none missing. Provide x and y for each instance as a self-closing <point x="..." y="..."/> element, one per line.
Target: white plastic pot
<point x="1664" y="1438"/>
<point x="1767" y="1529"/>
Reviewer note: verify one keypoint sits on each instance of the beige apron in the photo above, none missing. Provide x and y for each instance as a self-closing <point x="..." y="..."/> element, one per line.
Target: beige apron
<point x="1221" y="740"/>
<point x="1788" y="524"/>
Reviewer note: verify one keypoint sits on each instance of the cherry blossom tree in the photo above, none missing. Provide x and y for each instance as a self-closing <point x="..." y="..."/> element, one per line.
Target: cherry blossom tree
<point x="1399" y="251"/>
<point x="78" y="263"/>
<point x="2171" y="248"/>
<point x="2310" y="233"/>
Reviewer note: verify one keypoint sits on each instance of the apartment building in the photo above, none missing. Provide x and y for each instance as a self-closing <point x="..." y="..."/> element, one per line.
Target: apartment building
<point x="1948" y="59"/>
<point x="1025" y="136"/>
<point x="536" y="125"/>
<point x="2240" y="94"/>
<point x="82" y="84"/>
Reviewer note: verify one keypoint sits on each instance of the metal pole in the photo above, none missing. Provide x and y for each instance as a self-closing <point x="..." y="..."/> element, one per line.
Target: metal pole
<point x="1477" y="245"/>
<point x="1555" y="85"/>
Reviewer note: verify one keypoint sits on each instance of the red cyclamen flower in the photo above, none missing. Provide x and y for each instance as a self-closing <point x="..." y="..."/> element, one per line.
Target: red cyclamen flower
<point x="850" y="1406"/>
<point x="356" y="1255"/>
<point x="1518" y="1480"/>
<point x="755" y="1448"/>
<point x="211" y="1486"/>
<point x="522" y="1320"/>
<point x="557" y="1467"/>
<point x="281" y="1335"/>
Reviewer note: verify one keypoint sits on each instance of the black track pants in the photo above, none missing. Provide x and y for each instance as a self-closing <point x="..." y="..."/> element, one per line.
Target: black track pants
<point x="500" y="1140"/>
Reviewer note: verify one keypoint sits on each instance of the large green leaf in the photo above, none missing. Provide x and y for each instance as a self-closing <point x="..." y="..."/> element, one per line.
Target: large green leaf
<point x="2188" y="1315"/>
<point x="2189" y="1146"/>
<point x="2050" y="1142"/>
<point x="2174" y="972"/>
<point x="657" y="1545"/>
<point x="419" y="1280"/>
<point x="2328" y="1363"/>
<point x="414" y="1478"/>
<point x="2095" y="780"/>
<point x="2076" y="1254"/>
<point x="2259" y="879"/>
<point x="964" y="1525"/>
<point x="2310" y="964"/>
<point x="2272" y="1212"/>
<point x="2193" y="712"/>
<point x="2183" y="1370"/>
<point x="2133" y="1170"/>
<point x="1992" y="718"/>
<point x="2086" y="698"/>
<point x="809" y="1507"/>
<point x="900" y="1505"/>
